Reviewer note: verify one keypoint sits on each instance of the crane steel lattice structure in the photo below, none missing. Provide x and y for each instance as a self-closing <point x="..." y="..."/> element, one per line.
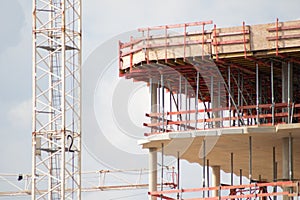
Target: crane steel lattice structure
<point x="56" y="134"/>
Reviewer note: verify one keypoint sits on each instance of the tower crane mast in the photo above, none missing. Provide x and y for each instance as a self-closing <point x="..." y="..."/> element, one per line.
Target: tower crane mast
<point x="56" y="126"/>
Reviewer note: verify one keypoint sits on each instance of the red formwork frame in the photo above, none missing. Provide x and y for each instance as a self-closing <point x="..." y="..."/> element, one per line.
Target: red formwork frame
<point x="254" y="190"/>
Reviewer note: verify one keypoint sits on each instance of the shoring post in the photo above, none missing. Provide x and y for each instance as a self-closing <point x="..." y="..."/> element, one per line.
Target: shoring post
<point x="162" y="168"/>
<point x="277" y="36"/>
<point x="203" y="167"/>
<point x="291" y="175"/>
<point x="178" y="173"/>
<point x="158" y="103"/>
<point x="250" y="159"/>
<point x="272" y="93"/>
<point x="289" y="91"/>
<point x="212" y="102"/>
<point x="231" y="168"/>
<point x="186" y="103"/>
<point x="180" y="97"/>
<point x="163" y="103"/>
<point x="274" y="171"/>
<point x="196" y="101"/>
<point x="229" y="94"/>
<point x="239" y="97"/>
<point x="257" y="94"/>
<point x="207" y="175"/>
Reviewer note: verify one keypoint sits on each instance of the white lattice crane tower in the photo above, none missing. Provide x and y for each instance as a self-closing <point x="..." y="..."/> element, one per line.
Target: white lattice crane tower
<point x="56" y="134"/>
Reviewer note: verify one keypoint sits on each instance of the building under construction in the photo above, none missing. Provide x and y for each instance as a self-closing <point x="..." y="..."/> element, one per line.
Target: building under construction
<point x="226" y="98"/>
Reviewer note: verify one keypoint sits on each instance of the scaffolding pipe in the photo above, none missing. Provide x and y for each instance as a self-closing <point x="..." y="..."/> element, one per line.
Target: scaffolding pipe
<point x="250" y="158"/>
<point x="291" y="157"/>
<point x="178" y="173"/>
<point x="257" y="95"/>
<point x="196" y="101"/>
<point x="212" y="99"/>
<point x="272" y="93"/>
<point x="229" y="95"/>
<point x="163" y="101"/>
<point x="203" y="169"/>
<point x="231" y="168"/>
<point x="239" y="96"/>
<point x="162" y="167"/>
<point x="180" y="97"/>
<point x="186" y="103"/>
<point x="274" y="171"/>
<point x="207" y="174"/>
<point x="289" y="91"/>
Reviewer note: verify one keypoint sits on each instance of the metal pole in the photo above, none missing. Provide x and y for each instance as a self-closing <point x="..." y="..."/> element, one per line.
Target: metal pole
<point x="231" y="168"/>
<point x="250" y="158"/>
<point x="203" y="168"/>
<point x="291" y="175"/>
<point x="162" y="168"/>
<point x="180" y="97"/>
<point x="257" y="94"/>
<point x="196" y="101"/>
<point x="207" y="174"/>
<point x="239" y="96"/>
<point x="272" y="93"/>
<point x="178" y="173"/>
<point x="274" y="171"/>
<point x="186" y="103"/>
<point x="163" y="102"/>
<point x="159" y="100"/>
<point x="229" y="95"/>
<point x="212" y="99"/>
<point x="289" y="91"/>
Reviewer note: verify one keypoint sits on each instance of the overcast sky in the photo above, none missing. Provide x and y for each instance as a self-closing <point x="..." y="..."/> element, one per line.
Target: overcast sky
<point x="103" y="22"/>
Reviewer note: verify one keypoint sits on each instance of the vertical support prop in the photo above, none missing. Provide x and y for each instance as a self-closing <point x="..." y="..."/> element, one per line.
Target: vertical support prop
<point x="203" y="167"/>
<point x="272" y="93"/>
<point x="163" y="102"/>
<point x="178" y="173"/>
<point x="289" y="92"/>
<point x="207" y="175"/>
<point x="257" y="95"/>
<point x="291" y="175"/>
<point x="229" y="94"/>
<point x="250" y="158"/>
<point x="162" y="168"/>
<point x="196" y="101"/>
<point x="231" y="168"/>
<point x="274" y="171"/>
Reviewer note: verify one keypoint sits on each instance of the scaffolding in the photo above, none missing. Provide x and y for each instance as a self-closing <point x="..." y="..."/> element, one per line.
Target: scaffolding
<point x="239" y="84"/>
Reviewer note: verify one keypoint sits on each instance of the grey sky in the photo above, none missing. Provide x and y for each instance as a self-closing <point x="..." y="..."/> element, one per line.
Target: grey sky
<point x="102" y="20"/>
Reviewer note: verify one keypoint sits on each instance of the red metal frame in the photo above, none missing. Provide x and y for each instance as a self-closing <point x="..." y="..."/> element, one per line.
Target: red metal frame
<point x="240" y="191"/>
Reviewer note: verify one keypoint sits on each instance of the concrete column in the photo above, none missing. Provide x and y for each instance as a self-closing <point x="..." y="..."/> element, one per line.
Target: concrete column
<point x="285" y="158"/>
<point x="153" y="92"/>
<point x="152" y="171"/>
<point x="215" y="179"/>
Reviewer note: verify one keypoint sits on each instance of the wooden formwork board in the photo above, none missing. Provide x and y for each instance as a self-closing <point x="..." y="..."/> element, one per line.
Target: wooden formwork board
<point x="265" y="39"/>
